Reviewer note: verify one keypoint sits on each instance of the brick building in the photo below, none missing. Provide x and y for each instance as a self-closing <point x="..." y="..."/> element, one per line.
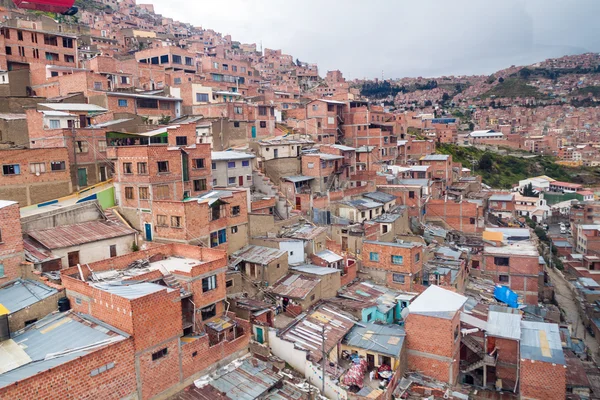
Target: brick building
<point x="11" y="241"/>
<point x="399" y="265"/>
<point x="433" y="334"/>
<point x="175" y="317"/>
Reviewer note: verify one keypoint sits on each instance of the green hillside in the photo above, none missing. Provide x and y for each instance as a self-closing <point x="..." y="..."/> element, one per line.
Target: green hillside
<point x="513" y="87"/>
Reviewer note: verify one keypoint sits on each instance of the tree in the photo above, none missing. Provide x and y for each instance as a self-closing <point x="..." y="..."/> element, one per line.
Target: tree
<point x="528" y="191"/>
<point x="471" y="126"/>
<point x="427" y="103"/>
<point x="164" y="120"/>
<point x="491" y="79"/>
<point x="485" y="162"/>
<point x="445" y="97"/>
<point x="501" y="79"/>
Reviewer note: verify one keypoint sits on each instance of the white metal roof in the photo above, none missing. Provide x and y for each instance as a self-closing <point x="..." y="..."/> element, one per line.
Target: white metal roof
<point x="229" y="155"/>
<point x="437" y="302"/>
<point x="505" y="325"/>
<point x="73" y="107"/>
<point x="6" y="203"/>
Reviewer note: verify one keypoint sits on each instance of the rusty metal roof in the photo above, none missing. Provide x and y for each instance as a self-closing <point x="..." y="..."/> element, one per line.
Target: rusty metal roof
<point x="295" y="286"/>
<point x="259" y="254"/>
<point x="73" y="235"/>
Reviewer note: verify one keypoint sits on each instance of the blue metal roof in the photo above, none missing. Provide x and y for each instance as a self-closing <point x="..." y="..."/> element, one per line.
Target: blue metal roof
<point x="541" y="342"/>
<point x="23" y="293"/>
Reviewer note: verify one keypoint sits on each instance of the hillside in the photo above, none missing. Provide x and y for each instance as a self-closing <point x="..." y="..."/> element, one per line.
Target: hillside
<point x="504" y="171"/>
<point x="513" y="87"/>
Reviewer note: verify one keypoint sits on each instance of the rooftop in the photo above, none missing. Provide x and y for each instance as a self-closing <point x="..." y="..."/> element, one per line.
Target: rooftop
<point x="504" y="325"/>
<point x="50" y="342"/>
<point x="502" y="197"/>
<point x="229" y="155"/>
<point x="130" y="290"/>
<point x="300" y="178"/>
<point x="314" y="269"/>
<point x="404" y="245"/>
<point x="73" y="107"/>
<point x="370" y="295"/>
<point x="22" y="293"/>
<point x="435" y="157"/>
<point x="541" y="342"/>
<point x="295" y="286"/>
<point x="437" y="302"/>
<point x="329" y="256"/>
<point x="304" y="232"/>
<point x="520" y="248"/>
<point x="6" y="203"/>
<point x="74" y="235"/>
<point x="380" y="197"/>
<point x="382" y="339"/>
<point x="326" y="157"/>
<point x="259" y="254"/>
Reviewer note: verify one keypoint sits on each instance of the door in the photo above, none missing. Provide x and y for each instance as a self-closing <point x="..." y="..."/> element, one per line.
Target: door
<point x="73" y="258"/>
<point x="253" y="132"/>
<point x="275" y="153"/>
<point x="113" y="250"/>
<point x="370" y="361"/>
<point x="241" y="180"/>
<point x="298" y="203"/>
<point x="259" y="335"/>
<point x="344" y="243"/>
<point x="103" y="175"/>
<point x="184" y="166"/>
<point x="148" y="230"/>
<point x="82" y="121"/>
<point x="81" y="177"/>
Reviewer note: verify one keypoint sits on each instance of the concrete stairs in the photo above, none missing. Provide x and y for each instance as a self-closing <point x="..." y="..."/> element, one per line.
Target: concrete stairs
<point x="488" y="360"/>
<point x="472" y="344"/>
<point x="263" y="184"/>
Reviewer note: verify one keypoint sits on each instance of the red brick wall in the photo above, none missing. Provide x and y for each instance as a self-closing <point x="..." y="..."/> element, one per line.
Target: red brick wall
<point x="159" y="375"/>
<point x="542" y="380"/>
<point x="408" y="266"/>
<point x="11" y="244"/>
<point x="459" y="216"/>
<point x="73" y="381"/>
<point x="433" y="336"/>
<point x="523" y="275"/>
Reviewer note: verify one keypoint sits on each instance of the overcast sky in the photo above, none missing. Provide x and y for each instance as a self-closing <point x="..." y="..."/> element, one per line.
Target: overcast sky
<point x="402" y="37"/>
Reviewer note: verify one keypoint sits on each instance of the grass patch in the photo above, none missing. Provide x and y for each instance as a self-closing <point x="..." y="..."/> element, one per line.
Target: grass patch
<point x="513" y="87"/>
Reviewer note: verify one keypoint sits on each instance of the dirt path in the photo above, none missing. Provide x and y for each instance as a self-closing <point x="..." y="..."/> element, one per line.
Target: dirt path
<point x="565" y="300"/>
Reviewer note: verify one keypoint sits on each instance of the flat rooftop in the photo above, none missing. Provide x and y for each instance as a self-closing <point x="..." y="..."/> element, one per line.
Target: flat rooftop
<point x="522" y="248"/>
<point x="130" y="290"/>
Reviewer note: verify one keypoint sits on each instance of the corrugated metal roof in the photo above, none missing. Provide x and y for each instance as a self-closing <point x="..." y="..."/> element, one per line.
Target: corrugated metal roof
<point x="404" y="245"/>
<point x="502" y="197"/>
<point x="259" y="254"/>
<point x="73" y="107"/>
<point x="437" y="302"/>
<point x="380" y="197"/>
<point x="57" y="335"/>
<point x="300" y="178"/>
<point x="74" y="235"/>
<point x="6" y="203"/>
<point x="541" y="342"/>
<point x="315" y="269"/>
<point x="229" y="155"/>
<point x="294" y="286"/>
<point x="329" y="256"/>
<point x="435" y="157"/>
<point x="130" y="290"/>
<point x="382" y="339"/>
<point x="326" y="157"/>
<point x="23" y="293"/>
<point x="504" y="325"/>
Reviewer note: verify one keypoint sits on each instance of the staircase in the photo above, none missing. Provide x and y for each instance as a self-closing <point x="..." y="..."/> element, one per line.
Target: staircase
<point x="472" y="344"/>
<point x="488" y="360"/>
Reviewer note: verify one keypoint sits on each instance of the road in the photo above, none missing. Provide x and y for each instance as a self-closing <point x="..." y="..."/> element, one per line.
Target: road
<point x="565" y="300"/>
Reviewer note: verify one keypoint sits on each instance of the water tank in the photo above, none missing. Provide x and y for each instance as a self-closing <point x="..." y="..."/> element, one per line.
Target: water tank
<point x="64" y="304"/>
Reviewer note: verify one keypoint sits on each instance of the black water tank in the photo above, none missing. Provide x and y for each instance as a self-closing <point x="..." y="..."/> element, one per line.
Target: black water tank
<point x="64" y="304"/>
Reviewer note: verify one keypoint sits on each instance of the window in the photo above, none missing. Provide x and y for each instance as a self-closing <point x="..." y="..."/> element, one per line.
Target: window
<point x="127" y="168"/>
<point x="231" y="164"/>
<point x="242" y="69"/>
<point x="97" y="85"/>
<point x="472" y="221"/>
<point x="238" y="110"/>
<point x="103" y="368"/>
<point x="37" y="168"/>
<point x="198" y="163"/>
<point x="199" y="185"/>
<point x="222" y="236"/>
<point x="411" y="194"/>
<point x="234" y="229"/>
<point x="374" y="256"/>
<point x="163" y="166"/>
<point x="236" y="124"/>
<point x="57" y="165"/>
<point x="213" y="165"/>
<point x="8" y="50"/>
<point x="398" y="260"/>
<point x="0" y="238"/>
<point x="177" y="81"/>
<point x="159" y="354"/>
<point x="202" y="97"/>
<point x="67" y="43"/>
<point x="11" y="169"/>
<point x="310" y="165"/>
<point x="176" y="59"/>
<point x="144" y="193"/>
<point x="20" y="35"/>
<point x="81" y="146"/>
<point x="501" y="261"/>
<point x="54" y="124"/>
<point x="142" y="168"/>
<point x="129" y="193"/>
<point x="209" y="283"/>
<point x="124" y="80"/>
<point x="249" y="178"/>
<point x="234" y="68"/>
<point x="161" y="220"/>
<point x="181" y="140"/>
<point x="262" y="110"/>
<point x="208" y="312"/>
<point x="122" y="103"/>
<point x="235" y="210"/>
<point x="231" y="180"/>
<point x="503" y="278"/>
<point x="245" y="163"/>
<point x="263" y="124"/>
<point x="417" y="257"/>
<point x="175" y="222"/>
<point x="102" y="145"/>
<point x="398" y="278"/>
<point x="229" y="283"/>
<point x="225" y="67"/>
<point x="1" y="270"/>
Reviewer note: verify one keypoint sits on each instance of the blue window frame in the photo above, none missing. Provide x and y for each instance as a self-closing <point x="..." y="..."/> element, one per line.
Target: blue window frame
<point x="1" y="270"/>
<point x="374" y="256"/>
<point x="222" y="236"/>
<point x="214" y="165"/>
<point x="398" y="278"/>
<point x="122" y="103"/>
<point x="231" y="164"/>
<point x="245" y="163"/>
<point x="202" y="97"/>
<point x="399" y="260"/>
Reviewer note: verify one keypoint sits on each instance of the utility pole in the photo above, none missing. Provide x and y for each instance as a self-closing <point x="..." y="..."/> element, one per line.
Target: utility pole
<point x="324" y="360"/>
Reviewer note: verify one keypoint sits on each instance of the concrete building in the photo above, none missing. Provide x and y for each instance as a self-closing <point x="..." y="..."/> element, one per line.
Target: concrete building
<point x="231" y="168"/>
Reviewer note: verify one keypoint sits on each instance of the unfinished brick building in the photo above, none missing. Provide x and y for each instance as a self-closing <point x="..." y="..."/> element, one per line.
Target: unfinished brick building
<point x="176" y="316"/>
<point x="399" y="265"/>
<point x="11" y="241"/>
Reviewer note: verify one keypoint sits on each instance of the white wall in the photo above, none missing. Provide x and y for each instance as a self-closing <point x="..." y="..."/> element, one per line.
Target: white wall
<point x="96" y="251"/>
<point x="297" y="247"/>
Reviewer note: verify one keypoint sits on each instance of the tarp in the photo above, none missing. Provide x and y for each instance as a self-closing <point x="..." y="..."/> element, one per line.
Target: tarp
<point x="507" y="296"/>
<point x="356" y="374"/>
